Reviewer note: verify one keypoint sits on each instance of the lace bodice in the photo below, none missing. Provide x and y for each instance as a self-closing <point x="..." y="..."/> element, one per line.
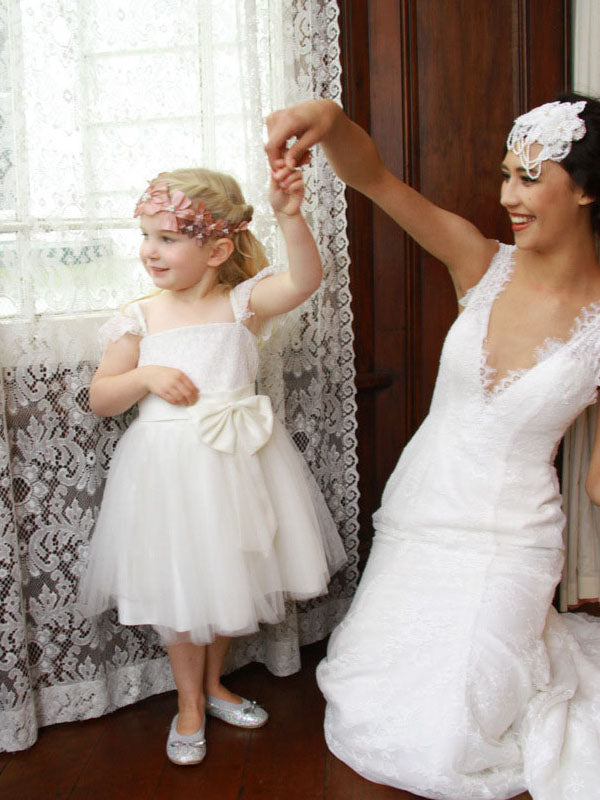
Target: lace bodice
<point x="217" y="356"/>
<point x="491" y="451"/>
<point x="483" y="295"/>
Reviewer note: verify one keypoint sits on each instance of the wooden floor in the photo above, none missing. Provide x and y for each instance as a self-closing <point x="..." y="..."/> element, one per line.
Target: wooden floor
<point x="122" y="756"/>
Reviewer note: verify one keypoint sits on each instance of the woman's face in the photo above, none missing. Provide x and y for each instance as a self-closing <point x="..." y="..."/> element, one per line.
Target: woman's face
<point x="544" y="210"/>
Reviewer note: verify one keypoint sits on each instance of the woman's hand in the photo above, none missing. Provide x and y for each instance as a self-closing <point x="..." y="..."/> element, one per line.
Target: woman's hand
<point x="286" y="190"/>
<point x="310" y="122"/>
<point x="354" y="158"/>
<point x="171" y="384"/>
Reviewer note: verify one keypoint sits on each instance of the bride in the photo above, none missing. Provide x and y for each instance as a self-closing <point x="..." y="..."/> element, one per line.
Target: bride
<point x="452" y="675"/>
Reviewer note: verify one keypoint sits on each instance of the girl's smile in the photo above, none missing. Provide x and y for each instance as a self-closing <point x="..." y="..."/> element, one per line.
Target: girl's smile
<point x="173" y="260"/>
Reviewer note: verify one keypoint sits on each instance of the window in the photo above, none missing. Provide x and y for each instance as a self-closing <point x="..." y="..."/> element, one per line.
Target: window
<point x="98" y="96"/>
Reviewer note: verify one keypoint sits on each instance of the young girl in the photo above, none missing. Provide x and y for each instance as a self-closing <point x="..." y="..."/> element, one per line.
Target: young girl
<point x="210" y="518"/>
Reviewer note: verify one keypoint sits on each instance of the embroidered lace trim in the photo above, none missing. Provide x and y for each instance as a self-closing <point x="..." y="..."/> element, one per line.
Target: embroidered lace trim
<point x="128" y="321"/>
<point x="582" y="338"/>
<point x="588" y="319"/>
<point x="131" y="319"/>
<point x="240" y="298"/>
<point x="493" y="281"/>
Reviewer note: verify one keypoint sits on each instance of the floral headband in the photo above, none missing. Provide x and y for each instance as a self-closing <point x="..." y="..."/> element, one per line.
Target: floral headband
<point x="182" y="216"/>
<point x="554" y="126"/>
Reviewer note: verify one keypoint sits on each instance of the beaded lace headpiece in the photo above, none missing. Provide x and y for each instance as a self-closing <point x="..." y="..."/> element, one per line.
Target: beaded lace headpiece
<point x="554" y="126"/>
<point x="183" y="216"/>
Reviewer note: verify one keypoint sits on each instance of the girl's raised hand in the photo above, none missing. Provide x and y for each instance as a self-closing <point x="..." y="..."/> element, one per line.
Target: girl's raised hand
<point x="171" y="384"/>
<point x="286" y="190"/>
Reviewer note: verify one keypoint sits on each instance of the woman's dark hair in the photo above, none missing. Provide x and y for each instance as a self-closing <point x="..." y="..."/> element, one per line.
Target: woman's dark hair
<point x="583" y="162"/>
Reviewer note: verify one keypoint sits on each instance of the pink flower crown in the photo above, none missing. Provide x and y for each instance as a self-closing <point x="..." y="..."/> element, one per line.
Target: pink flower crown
<point x="182" y="216"/>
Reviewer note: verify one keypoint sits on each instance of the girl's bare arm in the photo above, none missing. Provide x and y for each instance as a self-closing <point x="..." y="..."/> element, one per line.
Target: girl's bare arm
<point x="119" y="383"/>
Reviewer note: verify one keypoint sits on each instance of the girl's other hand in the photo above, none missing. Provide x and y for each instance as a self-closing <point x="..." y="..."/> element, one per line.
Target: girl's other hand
<point x="171" y="384"/>
<point x="286" y="190"/>
<point x="310" y="122"/>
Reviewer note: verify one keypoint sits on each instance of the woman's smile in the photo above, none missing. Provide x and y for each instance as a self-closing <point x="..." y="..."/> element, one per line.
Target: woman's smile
<point x="519" y="222"/>
<point x="544" y="210"/>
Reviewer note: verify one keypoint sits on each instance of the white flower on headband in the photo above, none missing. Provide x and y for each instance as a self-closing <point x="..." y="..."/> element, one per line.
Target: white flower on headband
<point x="554" y="126"/>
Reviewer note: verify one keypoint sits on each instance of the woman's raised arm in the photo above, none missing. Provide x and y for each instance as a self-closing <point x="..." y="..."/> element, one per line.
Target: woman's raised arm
<point x="355" y="159"/>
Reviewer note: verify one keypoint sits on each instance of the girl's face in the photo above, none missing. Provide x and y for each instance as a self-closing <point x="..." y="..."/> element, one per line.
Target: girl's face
<point x="173" y="260"/>
<point x="543" y="210"/>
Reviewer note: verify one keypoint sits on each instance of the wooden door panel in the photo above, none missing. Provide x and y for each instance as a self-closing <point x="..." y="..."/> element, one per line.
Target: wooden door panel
<point x="437" y="82"/>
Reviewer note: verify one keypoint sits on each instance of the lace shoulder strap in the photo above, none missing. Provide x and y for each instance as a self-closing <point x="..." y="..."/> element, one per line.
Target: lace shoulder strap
<point x="493" y="279"/>
<point x="585" y="336"/>
<point x="240" y="299"/>
<point x="129" y="320"/>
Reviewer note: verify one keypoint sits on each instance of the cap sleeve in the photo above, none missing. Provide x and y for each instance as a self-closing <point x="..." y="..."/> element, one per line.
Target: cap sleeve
<point x="585" y="337"/>
<point x="240" y="300"/>
<point x="464" y="300"/>
<point x="130" y="320"/>
<point x="493" y="279"/>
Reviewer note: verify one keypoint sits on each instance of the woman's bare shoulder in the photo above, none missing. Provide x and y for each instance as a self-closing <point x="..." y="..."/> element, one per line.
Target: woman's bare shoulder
<point x="468" y="272"/>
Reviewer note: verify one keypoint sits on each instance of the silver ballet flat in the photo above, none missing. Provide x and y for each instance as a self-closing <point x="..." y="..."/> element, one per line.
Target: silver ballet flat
<point x="185" y="750"/>
<point x="247" y="714"/>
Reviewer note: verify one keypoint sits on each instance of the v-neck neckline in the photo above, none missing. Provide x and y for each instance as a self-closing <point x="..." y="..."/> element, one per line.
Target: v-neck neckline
<point x="543" y="352"/>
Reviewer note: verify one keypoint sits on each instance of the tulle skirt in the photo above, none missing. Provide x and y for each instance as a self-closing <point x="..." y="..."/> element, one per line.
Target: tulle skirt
<point x="198" y="542"/>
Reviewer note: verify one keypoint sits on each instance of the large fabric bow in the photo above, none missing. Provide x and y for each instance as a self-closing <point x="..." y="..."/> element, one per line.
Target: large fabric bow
<point x="240" y="422"/>
<point x="233" y="421"/>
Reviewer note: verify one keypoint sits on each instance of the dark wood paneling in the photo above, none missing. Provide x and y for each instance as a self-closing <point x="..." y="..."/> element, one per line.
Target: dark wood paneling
<point x="464" y="115"/>
<point x="548" y="47"/>
<point x="391" y="300"/>
<point x="439" y="83"/>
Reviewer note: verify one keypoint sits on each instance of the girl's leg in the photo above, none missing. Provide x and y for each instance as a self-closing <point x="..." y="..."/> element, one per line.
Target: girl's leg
<point x="188" y="662"/>
<point x="215" y="655"/>
<point x="221" y="702"/>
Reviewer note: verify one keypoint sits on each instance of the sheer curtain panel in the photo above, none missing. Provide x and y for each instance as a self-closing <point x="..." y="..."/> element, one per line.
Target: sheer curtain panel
<point x="96" y="97"/>
<point x="581" y="578"/>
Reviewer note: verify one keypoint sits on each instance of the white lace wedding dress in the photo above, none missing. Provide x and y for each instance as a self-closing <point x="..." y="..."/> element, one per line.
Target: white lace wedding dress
<point x="452" y="675"/>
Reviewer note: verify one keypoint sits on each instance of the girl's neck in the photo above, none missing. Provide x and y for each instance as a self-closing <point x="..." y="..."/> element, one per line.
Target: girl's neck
<point x="175" y="309"/>
<point x="207" y="288"/>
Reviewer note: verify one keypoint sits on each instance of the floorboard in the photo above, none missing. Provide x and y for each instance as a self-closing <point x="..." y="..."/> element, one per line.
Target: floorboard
<point x="127" y="761"/>
<point x="293" y="740"/>
<point x="344" y="784"/>
<point x="52" y="767"/>
<point x="122" y="756"/>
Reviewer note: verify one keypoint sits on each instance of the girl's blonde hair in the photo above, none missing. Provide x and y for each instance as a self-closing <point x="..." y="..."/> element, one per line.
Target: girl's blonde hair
<point x="223" y="197"/>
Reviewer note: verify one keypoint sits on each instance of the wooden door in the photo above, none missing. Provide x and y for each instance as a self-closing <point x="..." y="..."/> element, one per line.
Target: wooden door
<point x="437" y="83"/>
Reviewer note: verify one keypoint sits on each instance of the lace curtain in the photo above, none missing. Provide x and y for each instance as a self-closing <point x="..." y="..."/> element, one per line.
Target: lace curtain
<point x="581" y="578"/>
<point x="96" y="97"/>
